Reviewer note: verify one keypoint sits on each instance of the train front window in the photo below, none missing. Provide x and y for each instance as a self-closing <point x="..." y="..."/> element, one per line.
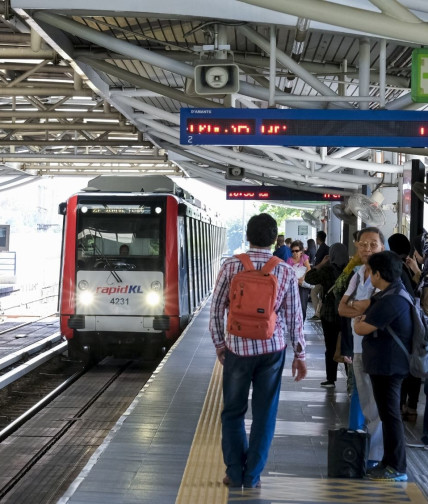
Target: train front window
<point x="115" y="235"/>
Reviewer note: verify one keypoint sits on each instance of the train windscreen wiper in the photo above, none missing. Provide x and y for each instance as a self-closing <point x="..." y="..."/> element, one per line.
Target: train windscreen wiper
<point x="109" y="264"/>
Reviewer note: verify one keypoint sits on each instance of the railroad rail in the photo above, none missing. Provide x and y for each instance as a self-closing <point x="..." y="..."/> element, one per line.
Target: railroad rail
<point x="17" y="364"/>
<point x="106" y="389"/>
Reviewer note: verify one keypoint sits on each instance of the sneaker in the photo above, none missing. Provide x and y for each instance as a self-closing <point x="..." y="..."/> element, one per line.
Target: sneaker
<point x="371" y="464"/>
<point x="386" y="474"/>
<point x="328" y="384"/>
<point x="257" y="485"/>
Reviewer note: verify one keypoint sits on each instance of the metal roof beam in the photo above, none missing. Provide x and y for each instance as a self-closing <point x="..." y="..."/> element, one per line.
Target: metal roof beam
<point x="412" y="29"/>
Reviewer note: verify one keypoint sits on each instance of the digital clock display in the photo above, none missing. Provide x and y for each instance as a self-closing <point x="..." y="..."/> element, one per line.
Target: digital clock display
<point x="358" y="128"/>
<point x="221" y="126"/>
<point x="277" y="193"/>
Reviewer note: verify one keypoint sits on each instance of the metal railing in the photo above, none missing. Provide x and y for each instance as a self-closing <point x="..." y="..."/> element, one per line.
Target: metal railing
<point x="8" y="263"/>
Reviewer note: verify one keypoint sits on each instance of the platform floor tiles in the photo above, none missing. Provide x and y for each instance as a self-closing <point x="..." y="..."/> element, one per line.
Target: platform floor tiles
<point x="166" y="448"/>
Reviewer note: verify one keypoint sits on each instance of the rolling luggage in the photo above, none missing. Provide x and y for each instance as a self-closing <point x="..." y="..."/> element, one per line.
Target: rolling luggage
<point x="348" y="452"/>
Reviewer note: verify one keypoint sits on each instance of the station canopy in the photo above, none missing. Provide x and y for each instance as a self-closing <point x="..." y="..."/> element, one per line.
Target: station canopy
<point x="90" y="87"/>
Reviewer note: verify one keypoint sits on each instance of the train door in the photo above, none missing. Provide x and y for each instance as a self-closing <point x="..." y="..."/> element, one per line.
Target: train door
<point x="190" y="263"/>
<point x="196" y="260"/>
<point x="183" y="273"/>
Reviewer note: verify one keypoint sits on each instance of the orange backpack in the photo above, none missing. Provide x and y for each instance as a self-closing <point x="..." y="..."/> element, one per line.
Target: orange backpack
<point x="252" y="299"/>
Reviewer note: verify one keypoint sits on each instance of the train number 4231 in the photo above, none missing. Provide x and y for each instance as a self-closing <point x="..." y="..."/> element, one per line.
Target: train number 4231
<point x="119" y="301"/>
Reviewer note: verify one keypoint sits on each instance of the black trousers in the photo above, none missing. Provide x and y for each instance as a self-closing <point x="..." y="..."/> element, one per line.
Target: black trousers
<point x="331" y="331"/>
<point x="304" y="297"/>
<point x="410" y="391"/>
<point x="386" y="391"/>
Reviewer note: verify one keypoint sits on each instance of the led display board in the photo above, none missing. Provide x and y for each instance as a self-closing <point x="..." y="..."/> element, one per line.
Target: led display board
<point x="277" y="193"/>
<point x="335" y="128"/>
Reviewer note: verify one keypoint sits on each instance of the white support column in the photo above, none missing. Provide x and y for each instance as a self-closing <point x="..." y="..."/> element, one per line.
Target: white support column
<point x="382" y="72"/>
<point x="272" y="66"/>
<point x="364" y="60"/>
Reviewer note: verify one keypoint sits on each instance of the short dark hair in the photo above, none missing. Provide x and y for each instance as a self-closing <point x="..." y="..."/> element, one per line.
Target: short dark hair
<point x="321" y="236"/>
<point x="372" y="229"/>
<point x="400" y="244"/>
<point x="418" y="245"/>
<point x="297" y="243"/>
<point x="262" y="230"/>
<point x="387" y="263"/>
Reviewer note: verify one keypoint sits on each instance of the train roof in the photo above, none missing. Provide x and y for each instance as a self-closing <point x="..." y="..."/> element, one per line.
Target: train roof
<point x="105" y="186"/>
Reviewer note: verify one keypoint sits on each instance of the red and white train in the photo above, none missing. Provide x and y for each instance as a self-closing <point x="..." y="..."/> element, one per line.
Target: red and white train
<point x="135" y="266"/>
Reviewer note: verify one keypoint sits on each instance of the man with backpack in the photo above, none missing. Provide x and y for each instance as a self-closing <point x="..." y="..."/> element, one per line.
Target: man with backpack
<point x="389" y="313"/>
<point x="252" y="349"/>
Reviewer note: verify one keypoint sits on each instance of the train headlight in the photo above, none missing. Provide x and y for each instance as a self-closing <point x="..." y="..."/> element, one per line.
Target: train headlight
<point x="153" y="298"/>
<point x="86" y="298"/>
<point x="83" y="285"/>
<point x="156" y="286"/>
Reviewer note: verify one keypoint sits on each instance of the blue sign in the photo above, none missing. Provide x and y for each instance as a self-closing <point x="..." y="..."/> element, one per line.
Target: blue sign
<point x="335" y="128"/>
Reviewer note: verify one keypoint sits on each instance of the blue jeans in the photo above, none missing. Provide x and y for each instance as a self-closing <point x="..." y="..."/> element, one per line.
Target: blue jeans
<point x="356" y="418"/>
<point x="425" y="425"/>
<point x="245" y="459"/>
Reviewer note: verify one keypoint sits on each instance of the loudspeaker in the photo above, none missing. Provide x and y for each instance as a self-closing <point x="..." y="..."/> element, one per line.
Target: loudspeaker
<point x="216" y="77"/>
<point x="234" y="173"/>
<point x="348" y="451"/>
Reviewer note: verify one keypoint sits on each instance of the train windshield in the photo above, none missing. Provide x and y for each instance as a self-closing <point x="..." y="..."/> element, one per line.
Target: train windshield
<point x="119" y="236"/>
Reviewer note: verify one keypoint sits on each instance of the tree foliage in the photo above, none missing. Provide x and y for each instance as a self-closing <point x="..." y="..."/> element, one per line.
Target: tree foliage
<point x="280" y="213"/>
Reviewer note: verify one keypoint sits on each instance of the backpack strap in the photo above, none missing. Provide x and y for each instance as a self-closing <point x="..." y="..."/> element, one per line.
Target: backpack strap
<point x="246" y="261"/>
<point x="270" y="265"/>
<point x="404" y="294"/>
<point x="398" y="340"/>
<point x="266" y="269"/>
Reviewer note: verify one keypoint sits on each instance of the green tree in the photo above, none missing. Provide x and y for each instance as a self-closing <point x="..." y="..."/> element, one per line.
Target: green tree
<point x="280" y="213"/>
<point x="234" y="234"/>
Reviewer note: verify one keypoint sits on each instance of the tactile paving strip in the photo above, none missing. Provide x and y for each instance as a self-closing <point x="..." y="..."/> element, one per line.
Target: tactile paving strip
<point x="204" y="472"/>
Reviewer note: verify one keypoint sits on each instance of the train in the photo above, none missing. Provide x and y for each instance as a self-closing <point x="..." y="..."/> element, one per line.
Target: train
<point x="136" y="264"/>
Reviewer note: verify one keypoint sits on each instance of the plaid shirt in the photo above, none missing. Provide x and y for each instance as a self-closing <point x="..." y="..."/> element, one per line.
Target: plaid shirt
<point x="287" y="306"/>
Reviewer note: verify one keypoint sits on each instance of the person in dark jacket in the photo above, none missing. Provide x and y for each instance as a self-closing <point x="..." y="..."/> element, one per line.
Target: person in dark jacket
<point x="411" y="385"/>
<point x="325" y="274"/>
<point x="400" y="244"/>
<point x="311" y="250"/>
<point x="323" y="248"/>
<point x="384" y="361"/>
<point x="316" y="291"/>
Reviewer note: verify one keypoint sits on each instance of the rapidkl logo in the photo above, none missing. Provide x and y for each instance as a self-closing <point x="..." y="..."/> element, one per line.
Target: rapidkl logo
<point x="127" y="289"/>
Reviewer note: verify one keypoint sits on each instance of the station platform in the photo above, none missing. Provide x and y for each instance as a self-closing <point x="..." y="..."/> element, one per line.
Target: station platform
<point x="166" y="448"/>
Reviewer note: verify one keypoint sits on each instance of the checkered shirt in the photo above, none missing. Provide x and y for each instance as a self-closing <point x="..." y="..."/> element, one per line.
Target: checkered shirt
<point x="287" y="306"/>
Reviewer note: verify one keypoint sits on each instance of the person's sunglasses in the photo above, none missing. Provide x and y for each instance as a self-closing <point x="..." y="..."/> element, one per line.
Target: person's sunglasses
<point x="295" y="251"/>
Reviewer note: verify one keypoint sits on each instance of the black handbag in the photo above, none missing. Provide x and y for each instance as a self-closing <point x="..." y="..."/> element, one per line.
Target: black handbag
<point x="348" y="451"/>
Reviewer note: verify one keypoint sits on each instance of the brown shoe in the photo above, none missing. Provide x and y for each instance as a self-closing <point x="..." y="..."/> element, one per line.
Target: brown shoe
<point x="228" y="482"/>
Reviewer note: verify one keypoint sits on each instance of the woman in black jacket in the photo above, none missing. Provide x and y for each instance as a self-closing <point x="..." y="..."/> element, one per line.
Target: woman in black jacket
<point x="326" y="274"/>
<point x="311" y="250"/>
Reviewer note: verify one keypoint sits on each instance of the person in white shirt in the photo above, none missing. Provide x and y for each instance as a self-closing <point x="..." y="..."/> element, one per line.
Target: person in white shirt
<point x="354" y="303"/>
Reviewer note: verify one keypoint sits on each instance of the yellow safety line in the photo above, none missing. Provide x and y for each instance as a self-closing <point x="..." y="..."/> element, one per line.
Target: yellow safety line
<point x="204" y="472"/>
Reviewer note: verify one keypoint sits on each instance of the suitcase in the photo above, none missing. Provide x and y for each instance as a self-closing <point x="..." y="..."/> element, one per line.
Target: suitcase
<point x="348" y="451"/>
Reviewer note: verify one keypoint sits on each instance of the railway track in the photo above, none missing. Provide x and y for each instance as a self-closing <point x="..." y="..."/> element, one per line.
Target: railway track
<point x="9" y="327"/>
<point x="25" y="360"/>
<point x="65" y="434"/>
